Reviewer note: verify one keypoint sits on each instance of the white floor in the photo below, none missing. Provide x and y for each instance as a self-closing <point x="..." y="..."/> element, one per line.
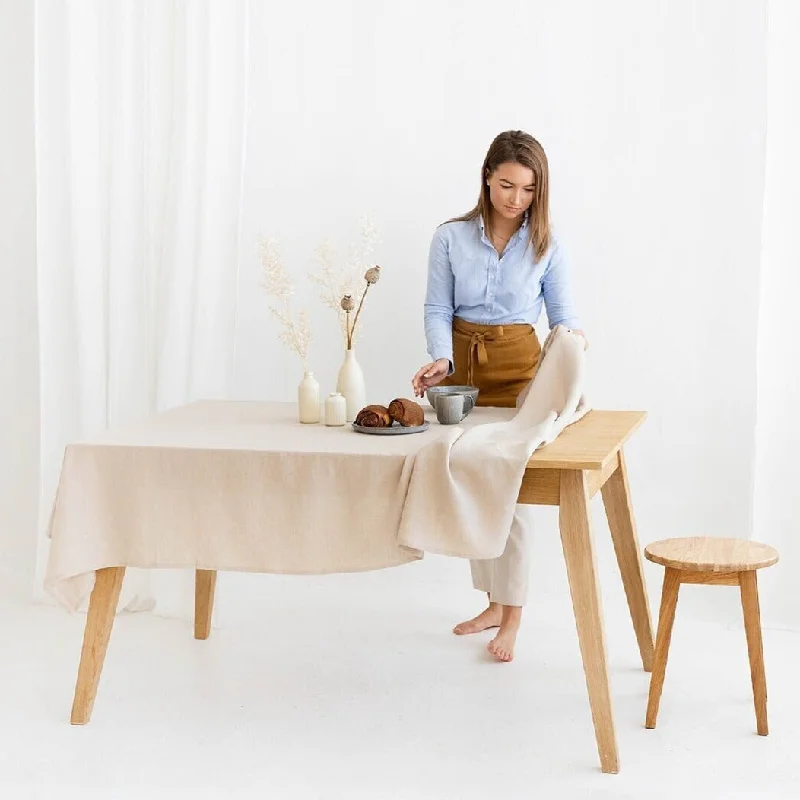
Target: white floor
<point x="352" y="687"/>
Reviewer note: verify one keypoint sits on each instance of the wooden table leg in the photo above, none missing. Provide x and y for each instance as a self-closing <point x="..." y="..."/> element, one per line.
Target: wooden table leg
<point x="619" y="510"/>
<point x="576" y="539"/>
<point x="748" y="584"/>
<point x="205" y="583"/>
<point x="99" y="621"/>
<point x="666" y="618"/>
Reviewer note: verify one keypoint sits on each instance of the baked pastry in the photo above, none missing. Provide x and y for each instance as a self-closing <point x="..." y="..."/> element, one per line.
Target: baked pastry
<point x="406" y="412"/>
<point x="374" y="416"/>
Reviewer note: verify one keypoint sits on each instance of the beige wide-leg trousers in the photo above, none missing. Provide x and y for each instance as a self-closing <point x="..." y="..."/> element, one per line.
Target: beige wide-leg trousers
<point x="506" y="578"/>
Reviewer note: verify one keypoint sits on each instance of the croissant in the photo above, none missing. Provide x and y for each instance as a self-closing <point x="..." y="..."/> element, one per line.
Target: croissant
<point x="406" y="412"/>
<point x="374" y="416"/>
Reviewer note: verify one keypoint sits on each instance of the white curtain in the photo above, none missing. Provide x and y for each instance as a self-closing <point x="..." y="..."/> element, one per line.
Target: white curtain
<point x="777" y="500"/>
<point x="140" y="143"/>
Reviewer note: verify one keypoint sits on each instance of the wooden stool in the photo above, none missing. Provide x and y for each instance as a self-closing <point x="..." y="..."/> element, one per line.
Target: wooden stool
<point x="716" y="562"/>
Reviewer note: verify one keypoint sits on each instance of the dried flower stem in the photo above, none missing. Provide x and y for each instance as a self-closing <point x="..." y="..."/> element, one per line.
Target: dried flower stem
<point x="296" y="334"/>
<point x="355" y="319"/>
<point x="336" y="279"/>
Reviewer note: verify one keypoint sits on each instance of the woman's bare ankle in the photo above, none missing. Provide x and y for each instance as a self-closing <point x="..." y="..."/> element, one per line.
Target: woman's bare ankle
<point x="490" y="617"/>
<point x="510" y="615"/>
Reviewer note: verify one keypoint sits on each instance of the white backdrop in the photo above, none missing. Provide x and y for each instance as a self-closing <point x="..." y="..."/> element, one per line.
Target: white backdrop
<point x="653" y="117"/>
<point x="19" y="369"/>
<point x="777" y="506"/>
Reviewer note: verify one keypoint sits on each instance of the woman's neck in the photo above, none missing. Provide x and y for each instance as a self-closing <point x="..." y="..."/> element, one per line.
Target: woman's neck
<point x="505" y="228"/>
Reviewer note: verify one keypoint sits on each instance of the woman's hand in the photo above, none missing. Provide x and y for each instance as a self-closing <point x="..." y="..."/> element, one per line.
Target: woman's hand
<point x="430" y="375"/>
<point x="585" y="340"/>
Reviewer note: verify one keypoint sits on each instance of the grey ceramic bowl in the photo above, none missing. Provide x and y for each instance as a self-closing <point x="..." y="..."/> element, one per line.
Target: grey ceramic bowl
<point x="470" y="391"/>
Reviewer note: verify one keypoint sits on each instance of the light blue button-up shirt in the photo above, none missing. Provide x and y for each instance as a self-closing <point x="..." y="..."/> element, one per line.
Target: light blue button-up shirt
<point x="468" y="279"/>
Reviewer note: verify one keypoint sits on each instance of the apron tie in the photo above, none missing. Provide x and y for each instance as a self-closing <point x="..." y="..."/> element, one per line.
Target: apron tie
<point x="477" y="348"/>
<point x="499" y="359"/>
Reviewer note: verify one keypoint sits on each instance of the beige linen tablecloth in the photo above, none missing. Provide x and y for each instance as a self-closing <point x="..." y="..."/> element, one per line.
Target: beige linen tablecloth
<point x="232" y="486"/>
<point x="464" y="486"/>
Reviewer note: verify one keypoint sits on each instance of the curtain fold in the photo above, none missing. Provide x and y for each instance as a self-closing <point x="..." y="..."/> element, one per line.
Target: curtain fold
<point x="140" y="142"/>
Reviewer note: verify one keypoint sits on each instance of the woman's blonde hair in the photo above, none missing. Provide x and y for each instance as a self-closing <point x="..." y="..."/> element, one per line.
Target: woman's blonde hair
<point x="520" y="148"/>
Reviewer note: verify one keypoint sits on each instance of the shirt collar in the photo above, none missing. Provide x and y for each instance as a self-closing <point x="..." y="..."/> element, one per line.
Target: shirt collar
<point x="525" y="222"/>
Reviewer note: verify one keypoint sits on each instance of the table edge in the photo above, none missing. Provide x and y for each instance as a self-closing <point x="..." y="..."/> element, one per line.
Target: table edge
<point x="587" y="464"/>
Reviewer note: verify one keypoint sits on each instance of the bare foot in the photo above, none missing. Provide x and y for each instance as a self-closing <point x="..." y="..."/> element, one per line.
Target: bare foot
<point x="502" y="646"/>
<point x="490" y="618"/>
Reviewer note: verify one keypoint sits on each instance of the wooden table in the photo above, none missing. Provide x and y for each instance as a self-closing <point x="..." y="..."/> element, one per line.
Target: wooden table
<point x="586" y="458"/>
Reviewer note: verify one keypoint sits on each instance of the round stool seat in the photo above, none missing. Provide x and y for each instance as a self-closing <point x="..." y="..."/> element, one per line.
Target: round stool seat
<point x="711" y="554"/>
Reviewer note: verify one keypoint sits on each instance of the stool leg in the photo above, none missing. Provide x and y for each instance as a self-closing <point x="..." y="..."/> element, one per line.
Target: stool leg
<point x="666" y="616"/>
<point x="748" y="585"/>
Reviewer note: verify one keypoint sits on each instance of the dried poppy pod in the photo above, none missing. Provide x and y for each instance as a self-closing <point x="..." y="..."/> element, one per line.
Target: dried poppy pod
<point x="371" y="276"/>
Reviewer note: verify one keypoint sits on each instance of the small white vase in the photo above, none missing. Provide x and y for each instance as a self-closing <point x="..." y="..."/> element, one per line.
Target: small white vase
<point x="335" y="410"/>
<point x="308" y="398"/>
<point x="351" y="385"/>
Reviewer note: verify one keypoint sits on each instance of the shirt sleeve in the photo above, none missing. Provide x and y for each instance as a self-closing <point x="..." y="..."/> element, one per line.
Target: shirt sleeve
<point x="439" y="308"/>
<point x="557" y="290"/>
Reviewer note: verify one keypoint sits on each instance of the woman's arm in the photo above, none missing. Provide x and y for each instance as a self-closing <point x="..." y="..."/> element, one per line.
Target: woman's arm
<point x="439" y="301"/>
<point x="557" y="292"/>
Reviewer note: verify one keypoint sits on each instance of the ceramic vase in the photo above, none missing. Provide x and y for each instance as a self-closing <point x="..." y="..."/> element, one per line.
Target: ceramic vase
<point x="350" y="384"/>
<point x="308" y="398"/>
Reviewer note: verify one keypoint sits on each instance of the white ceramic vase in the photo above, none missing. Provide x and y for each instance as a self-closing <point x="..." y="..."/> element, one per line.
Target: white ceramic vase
<point x="308" y="398"/>
<point x="351" y="385"/>
<point x="335" y="410"/>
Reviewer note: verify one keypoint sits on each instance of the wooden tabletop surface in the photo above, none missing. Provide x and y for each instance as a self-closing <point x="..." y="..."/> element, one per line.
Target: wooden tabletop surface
<point x="589" y="443"/>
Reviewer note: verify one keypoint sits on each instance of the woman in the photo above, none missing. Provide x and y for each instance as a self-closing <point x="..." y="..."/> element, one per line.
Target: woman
<point x="488" y="274"/>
